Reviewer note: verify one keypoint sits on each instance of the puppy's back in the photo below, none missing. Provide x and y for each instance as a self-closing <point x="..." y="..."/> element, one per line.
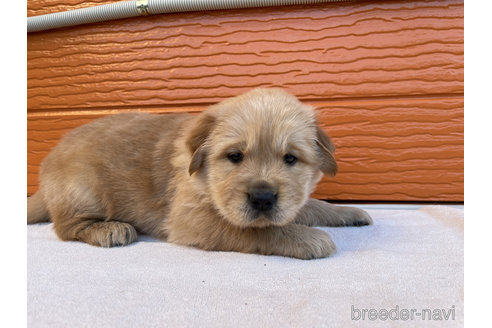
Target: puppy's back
<point x="106" y="168"/>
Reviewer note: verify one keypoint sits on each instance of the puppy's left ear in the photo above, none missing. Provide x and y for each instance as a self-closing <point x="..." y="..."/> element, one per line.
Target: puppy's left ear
<point x="196" y="140"/>
<point x="328" y="164"/>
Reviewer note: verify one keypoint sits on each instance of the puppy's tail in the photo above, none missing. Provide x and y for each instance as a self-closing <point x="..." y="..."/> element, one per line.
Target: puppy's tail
<point x="36" y="209"/>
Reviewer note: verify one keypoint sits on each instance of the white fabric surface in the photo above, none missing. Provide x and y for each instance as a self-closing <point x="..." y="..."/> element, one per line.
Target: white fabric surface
<point x="412" y="259"/>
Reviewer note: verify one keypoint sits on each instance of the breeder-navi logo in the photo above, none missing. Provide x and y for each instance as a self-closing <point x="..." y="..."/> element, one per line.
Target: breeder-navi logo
<point x="402" y="314"/>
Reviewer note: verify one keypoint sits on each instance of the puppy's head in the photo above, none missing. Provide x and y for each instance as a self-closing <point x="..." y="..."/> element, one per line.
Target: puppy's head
<point x="260" y="155"/>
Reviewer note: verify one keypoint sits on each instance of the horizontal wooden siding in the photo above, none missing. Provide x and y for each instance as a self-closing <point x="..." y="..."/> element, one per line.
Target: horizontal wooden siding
<point x="386" y="78"/>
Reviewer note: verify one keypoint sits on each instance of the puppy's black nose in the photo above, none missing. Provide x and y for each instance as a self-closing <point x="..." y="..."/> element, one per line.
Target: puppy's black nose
<point x="262" y="199"/>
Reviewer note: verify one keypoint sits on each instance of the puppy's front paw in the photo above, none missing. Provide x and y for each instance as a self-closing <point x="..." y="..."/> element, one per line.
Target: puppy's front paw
<point x="353" y="216"/>
<point x="320" y="213"/>
<point x="311" y="243"/>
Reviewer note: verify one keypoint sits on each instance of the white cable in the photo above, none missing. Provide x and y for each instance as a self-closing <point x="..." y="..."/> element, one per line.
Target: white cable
<point x="125" y="9"/>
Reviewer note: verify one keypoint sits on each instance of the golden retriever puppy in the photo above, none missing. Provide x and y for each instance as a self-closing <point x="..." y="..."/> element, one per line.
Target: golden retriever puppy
<point x="236" y="177"/>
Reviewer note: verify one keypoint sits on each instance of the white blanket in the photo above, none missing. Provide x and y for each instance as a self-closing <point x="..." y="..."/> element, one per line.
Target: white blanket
<point x="409" y="264"/>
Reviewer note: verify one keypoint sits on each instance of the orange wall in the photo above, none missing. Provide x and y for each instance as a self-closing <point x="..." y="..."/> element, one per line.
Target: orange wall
<point x="386" y="77"/>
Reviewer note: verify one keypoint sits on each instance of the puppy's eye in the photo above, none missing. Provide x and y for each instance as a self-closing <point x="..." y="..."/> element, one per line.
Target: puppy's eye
<point x="235" y="157"/>
<point x="290" y="159"/>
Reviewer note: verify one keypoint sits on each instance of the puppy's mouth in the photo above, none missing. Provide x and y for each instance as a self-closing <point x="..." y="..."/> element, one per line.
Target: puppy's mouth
<point x="262" y="215"/>
<point x="260" y="218"/>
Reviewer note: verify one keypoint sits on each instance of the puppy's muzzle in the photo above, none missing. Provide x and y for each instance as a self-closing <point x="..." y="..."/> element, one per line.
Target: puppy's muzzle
<point x="262" y="198"/>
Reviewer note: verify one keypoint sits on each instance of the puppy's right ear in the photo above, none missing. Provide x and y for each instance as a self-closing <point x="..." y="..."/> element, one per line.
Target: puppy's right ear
<point x="326" y="148"/>
<point x="196" y="140"/>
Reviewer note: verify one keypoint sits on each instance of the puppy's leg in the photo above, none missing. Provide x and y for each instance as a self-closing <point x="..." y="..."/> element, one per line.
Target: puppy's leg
<point x="292" y="240"/>
<point x="78" y="214"/>
<point x="320" y="213"/>
<point x="95" y="232"/>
